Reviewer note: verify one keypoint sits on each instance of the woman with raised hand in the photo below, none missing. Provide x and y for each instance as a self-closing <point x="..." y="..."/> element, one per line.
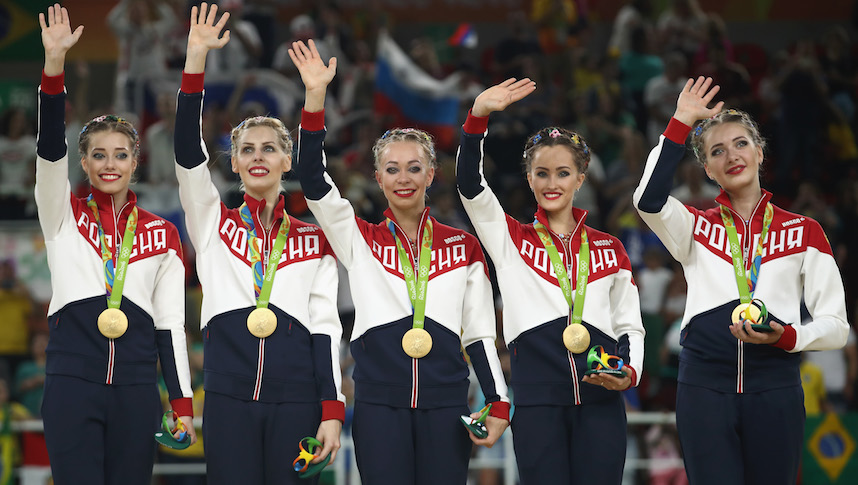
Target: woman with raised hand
<point x="567" y="288"/>
<point x="118" y="302"/>
<point x="421" y="294"/>
<point x="748" y="264"/>
<point x="269" y="317"/>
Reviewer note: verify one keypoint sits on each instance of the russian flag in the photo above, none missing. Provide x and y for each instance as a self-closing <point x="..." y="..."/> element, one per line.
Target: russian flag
<point x="464" y="36"/>
<point x="406" y="96"/>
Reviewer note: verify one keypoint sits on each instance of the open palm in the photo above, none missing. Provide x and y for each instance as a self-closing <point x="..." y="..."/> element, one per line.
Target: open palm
<point x="57" y="36"/>
<point x="314" y="73"/>
<point x="205" y="32"/>
<point x="694" y="100"/>
<point x="499" y="96"/>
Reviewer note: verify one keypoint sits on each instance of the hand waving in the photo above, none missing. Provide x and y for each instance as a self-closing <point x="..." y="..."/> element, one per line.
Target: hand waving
<point x="205" y="33"/>
<point x="57" y="36"/>
<point x="498" y="97"/>
<point x="313" y="71"/>
<point x="694" y="99"/>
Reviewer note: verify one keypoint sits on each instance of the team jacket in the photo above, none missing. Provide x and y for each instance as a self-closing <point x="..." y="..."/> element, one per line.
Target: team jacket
<point x="797" y="262"/>
<point x="154" y="293"/>
<point x="535" y="312"/>
<point x="299" y="362"/>
<point x="458" y="299"/>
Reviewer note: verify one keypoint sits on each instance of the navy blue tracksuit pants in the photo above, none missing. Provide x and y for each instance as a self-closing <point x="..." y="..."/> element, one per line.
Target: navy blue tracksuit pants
<point x="100" y="434"/>
<point x="255" y="442"/>
<point x="567" y="445"/>
<point x="406" y="446"/>
<point x="749" y="439"/>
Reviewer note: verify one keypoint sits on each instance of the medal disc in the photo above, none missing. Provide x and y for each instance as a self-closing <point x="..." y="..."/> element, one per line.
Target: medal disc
<point x="417" y="343"/>
<point x="261" y="322"/>
<point x="746" y="311"/>
<point x="576" y="338"/>
<point x="112" y="323"/>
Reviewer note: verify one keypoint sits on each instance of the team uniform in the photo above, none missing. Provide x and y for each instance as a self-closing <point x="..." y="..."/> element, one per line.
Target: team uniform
<point x="410" y="405"/>
<point x="101" y="404"/>
<point x="735" y="399"/>
<point x="263" y="395"/>
<point x="564" y="430"/>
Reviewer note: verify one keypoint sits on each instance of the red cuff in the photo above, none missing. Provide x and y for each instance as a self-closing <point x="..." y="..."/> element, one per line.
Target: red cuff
<point x="183" y="406"/>
<point x="53" y="84"/>
<point x="313" y="121"/>
<point x="788" y="338"/>
<point x="333" y="410"/>
<point x="677" y="131"/>
<point x="500" y="409"/>
<point x="475" y="125"/>
<point x="193" y="83"/>
<point x="634" y="377"/>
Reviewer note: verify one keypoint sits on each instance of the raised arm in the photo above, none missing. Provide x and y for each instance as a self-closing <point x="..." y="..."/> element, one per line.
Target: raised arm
<point x="57" y="38"/>
<point x="204" y="36"/>
<point x="499" y="96"/>
<point x="694" y="100"/>
<point x="315" y="75"/>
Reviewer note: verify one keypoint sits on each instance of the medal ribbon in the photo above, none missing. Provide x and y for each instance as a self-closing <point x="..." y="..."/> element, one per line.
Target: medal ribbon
<point x="262" y="283"/>
<point x="114" y="280"/>
<point x="746" y="280"/>
<point x="576" y="305"/>
<point x="416" y="286"/>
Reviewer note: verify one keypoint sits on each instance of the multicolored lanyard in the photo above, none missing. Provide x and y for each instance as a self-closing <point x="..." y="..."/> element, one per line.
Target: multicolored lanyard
<point x="416" y="286"/>
<point x="114" y="281"/>
<point x="746" y="280"/>
<point x="262" y="283"/>
<point x="577" y="306"/>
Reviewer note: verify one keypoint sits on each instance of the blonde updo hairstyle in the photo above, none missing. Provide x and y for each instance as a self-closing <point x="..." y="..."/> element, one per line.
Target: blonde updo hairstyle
<point x="405" y="134"/>
<point x="284" y="139"/>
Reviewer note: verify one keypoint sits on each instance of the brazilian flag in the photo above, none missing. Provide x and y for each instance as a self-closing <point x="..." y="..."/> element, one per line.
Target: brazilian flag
<point x="830" y="454"/>
<point x="20" y="34"/>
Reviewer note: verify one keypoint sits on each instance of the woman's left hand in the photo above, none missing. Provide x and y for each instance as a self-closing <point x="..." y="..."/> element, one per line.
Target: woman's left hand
<point x="611" y="383"/>
<point x="745" y="333"/>
<point x="499" y="96"/>
<point x="495" y="427"/>
<point x="329" y="435"/>
<point x="189" y="424"/>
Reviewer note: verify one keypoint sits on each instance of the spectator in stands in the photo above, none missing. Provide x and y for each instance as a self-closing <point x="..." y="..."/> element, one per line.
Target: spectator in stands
<point x="16" y="308"/>
<point x="30" y="375"/>
<point x="17" y="149"/>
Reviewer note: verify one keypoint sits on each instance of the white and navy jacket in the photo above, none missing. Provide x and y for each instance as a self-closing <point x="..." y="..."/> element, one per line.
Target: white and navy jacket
<point x="797" y="263"/>
<point x="459" y="308"/>
<point x="535" y="312"/>
<point x="299" y="362"/>
<point x="154" y="294"/>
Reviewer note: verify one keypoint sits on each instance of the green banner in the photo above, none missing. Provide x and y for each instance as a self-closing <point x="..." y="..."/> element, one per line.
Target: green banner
<point x="830" y="450"/>
<point x="20" y="35"/>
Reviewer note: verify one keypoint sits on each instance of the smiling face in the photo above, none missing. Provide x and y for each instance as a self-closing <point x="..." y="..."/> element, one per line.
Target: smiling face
<point x="732" y="158"/>
<point x="109" y="161"/>
<point x="554" y="178"/>
<point x="259" y="158"/>
<point x="403" y="173"/>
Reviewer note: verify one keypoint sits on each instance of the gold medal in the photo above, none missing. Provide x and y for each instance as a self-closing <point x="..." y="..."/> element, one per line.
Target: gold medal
<point x="261" y="322"/>
<point x="416" y="343"/>
<point x="112" y="323"/>
<point x="746" y="311"/>
<point x="576" y="338"/>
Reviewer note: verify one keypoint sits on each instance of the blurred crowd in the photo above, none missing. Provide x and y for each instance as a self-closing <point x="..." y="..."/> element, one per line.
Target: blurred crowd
<point x="619" y="95"/>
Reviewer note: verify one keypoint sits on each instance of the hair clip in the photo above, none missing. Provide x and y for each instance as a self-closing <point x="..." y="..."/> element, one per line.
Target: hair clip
<point x="579" y="141"/>
<point x="698" y="130"/>
<point x="554" y="133"/>
<point x="537" y="138"/>
<point x="114" y="118"/>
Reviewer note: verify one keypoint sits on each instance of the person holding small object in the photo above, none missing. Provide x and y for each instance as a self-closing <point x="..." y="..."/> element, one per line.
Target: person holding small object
<point x="748" y="264"/>
<point x="269" y="317"/>
<point x="566" y="287"/>
<point x="118" y="302"/>
<point x="421" y="294"/>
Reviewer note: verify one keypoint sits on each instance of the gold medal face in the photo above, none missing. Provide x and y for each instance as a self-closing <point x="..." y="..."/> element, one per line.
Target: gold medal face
<point x="576" y="338"/>
<point x="746" y="311"/>
<point x="112" y="323"/>
<point x="261" y="322"/>
<point x="416" y="343"/>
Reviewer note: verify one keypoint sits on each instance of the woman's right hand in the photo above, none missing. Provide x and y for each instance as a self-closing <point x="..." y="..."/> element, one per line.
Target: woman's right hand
<point x="694" y="99"/>
<point x="205" y="35"/>
<point x="499" y="96"/>
<point x="57" y="38"/>
<point x="314" y="73"/>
